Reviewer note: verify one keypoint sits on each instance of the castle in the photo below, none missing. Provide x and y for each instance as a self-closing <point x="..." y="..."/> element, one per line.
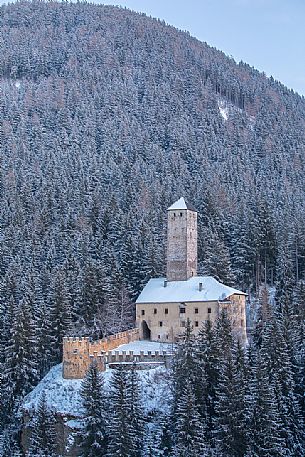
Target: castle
<point x="165" y="304"/>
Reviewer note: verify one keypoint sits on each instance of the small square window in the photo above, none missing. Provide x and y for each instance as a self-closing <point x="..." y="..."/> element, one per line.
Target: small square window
<point x="209" y="310"/>
<point x="160" y="324"/>
<point x="182" y="324"/>
<point x="155" y="311"/>
<point x="182" y="310"/>
<point x="166" y="311"/>
<point x="143" y="312"/>
<point x="196" y="310"/>
<point x="196" y="323"/>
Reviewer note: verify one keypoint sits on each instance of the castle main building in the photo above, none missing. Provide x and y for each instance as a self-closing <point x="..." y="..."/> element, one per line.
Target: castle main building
<point x="165" y="304"/>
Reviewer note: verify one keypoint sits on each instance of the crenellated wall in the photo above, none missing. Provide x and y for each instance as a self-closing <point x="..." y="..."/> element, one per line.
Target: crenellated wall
<point x="78" y="353"/>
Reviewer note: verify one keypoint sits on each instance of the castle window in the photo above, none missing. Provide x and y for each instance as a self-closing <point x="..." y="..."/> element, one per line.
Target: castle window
<point x="174" y="214"/>
<point x="160" y="324"/>
<point x="182" y="324"/>
<point x="196" y="310"/>
<point x="159" y="337"/>
<point x="180" y="214"/>
<point x="209" y="310"/>
<point x="182" y="310"/>
<point x="196" y="323"/>
<point x="155" y="311"/>
<point x="166" y="310"/>
<point x="242" y="323"/>
<point x="143" y="312"/>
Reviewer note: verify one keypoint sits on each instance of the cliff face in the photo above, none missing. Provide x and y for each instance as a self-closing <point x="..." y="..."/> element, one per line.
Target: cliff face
<point x="67" y="430"/>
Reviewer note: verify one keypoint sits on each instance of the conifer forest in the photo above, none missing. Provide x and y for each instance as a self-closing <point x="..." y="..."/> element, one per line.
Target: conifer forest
<point x="106" y="118"/>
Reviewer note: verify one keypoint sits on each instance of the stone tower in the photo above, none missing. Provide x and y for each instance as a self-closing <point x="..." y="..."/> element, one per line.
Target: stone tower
<point x="181" y="241"/>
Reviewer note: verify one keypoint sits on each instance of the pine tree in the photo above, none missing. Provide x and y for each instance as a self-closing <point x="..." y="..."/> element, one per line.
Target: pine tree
<point x="185" y="365"/>
<point x="188" y="431"/>
<point x="94" y="438"/>
<point x="135" y="411"/>
<point x="231" y="407"/>
<point x="20" y="370"/>
<point x="265" y="426"/>
<point x="43" y="436"/>
<point x="207" y="359"/>
<point x="60" y="314"/>
<point x="121" y="430"/>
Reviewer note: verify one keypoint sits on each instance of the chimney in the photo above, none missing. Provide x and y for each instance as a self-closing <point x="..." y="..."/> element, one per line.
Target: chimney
<point x="165" y="282"/>
<point x="200" y="286"/>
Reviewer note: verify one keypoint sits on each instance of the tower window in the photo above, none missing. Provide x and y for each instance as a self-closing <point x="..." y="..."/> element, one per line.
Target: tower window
<point x="174" y="214"/>
<point x="166" y="311"/>
<point x="160" y="324"/>
<point x="242" y="323"/>
<point x="196" y="323"/>
<point x="180" y="214"/>
<point x="155" y="311"/>
<point x="143" y="312"/>
<point x="196" y="310"/>
<point x="209" y="310"/>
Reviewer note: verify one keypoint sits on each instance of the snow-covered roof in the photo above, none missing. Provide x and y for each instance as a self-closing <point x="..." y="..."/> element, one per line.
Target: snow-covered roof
<point x="181" y="204"/>
<point x="185" y="291"/>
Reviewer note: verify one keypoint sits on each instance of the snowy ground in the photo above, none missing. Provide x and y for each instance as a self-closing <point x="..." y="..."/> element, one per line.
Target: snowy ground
<point x="63" y="395"/>
<point x="224" y="110"/>
<point x="145" y="346"/>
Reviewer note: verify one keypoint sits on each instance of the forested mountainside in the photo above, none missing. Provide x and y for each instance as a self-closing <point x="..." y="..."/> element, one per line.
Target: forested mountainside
<point x="107" y="117"/>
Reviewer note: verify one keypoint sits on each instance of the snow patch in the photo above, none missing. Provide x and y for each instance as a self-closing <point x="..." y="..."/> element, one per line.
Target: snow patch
<point x="63" y="395"/>
<point x="143" y="346"/>
<point x="224" y="110"/>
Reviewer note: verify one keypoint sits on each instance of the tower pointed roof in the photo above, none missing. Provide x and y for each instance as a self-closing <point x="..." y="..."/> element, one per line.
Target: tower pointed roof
<point x="181" y="204"/>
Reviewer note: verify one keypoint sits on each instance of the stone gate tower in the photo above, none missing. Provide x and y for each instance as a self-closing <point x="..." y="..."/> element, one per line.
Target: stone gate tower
<point x="181" y="241"/>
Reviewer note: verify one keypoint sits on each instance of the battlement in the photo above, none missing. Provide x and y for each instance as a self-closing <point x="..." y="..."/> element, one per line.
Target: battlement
<point x="79" y="352"/>
<point x="75" y="339"/>
<point x="131" y="357"/>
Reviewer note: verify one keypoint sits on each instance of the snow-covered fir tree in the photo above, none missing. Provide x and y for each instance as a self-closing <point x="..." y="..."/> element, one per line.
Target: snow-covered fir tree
<point x="43" y="436"/>
<point x="94" y="437"/>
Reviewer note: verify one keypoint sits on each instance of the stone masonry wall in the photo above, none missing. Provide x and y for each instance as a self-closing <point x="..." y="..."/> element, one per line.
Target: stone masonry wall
<point x="181" y="245"/>
<point x="166" y="322"/>
<point x="78" y="353"/>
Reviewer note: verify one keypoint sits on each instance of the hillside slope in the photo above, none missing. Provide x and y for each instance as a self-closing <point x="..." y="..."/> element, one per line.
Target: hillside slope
<point x="107" y="117"/>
